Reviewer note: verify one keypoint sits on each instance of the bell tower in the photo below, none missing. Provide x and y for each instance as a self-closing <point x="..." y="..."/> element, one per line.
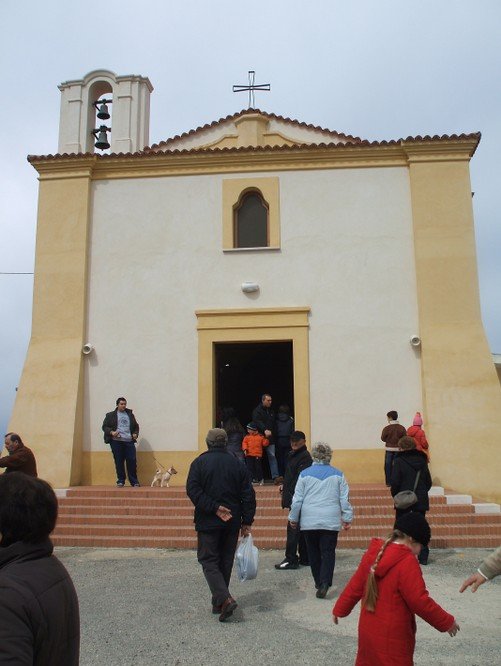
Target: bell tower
<point x="126" y="129"/>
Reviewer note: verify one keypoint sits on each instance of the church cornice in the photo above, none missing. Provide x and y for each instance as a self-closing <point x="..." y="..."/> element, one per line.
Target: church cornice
<point x="401" y="152"/>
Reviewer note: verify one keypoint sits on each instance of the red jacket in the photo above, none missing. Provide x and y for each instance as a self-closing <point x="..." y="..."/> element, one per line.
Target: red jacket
<point x="253" y="445"/>
<point x="386" y="637"/>
<point x="419" y="437"/>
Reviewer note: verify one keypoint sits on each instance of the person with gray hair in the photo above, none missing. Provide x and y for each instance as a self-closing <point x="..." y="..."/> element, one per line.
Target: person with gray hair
<point x="321" y="508"/>
<point x="225" y="503"/>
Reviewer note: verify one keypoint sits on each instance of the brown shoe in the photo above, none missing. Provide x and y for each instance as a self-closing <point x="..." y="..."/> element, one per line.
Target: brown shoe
<point x="278" y="480"/>
<point x="227" y="608"/>
<point x="216" y="610"/>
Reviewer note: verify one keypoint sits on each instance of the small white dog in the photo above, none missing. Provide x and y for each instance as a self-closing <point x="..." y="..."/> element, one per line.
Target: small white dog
<point x="162" y="477"/>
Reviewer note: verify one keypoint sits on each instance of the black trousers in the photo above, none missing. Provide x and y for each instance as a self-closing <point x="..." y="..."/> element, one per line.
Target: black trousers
<point x="321" y="546"/>
<point x="255" y="467"/>
<point x="296" y="542"/>
<point x="216" y="552"/>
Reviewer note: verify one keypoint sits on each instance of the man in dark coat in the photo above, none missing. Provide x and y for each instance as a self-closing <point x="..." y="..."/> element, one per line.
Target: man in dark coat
<point x="297" y="460"/>
<point x="225" y="503"/>
<point x="264" y="417"/>
<point x="406" y="466"/>
<point x="121" y="431"/>
<point x="20" y="458"/>
<point x="39" y="618"/>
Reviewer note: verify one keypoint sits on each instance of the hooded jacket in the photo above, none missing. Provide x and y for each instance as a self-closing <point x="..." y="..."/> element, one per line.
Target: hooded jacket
<point x="284" y="427"/>
<point x="39" y="618"/>
<point x="387" y="636"/>
<point x="403" y="476"/>
<point x="417" y="434"/>
<point x="321" y="499"/>
<point x="253" y="445"/>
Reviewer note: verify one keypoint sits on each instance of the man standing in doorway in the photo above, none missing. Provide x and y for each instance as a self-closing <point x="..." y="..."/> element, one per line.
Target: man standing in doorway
<point x="264" y="417"/>
<point x="225" y="503"/>
<point x="20" y="458"/>
<point x="121" y="431"/>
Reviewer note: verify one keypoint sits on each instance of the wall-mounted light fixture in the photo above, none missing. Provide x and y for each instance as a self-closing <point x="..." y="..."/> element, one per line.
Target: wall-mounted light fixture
<point x="250" y="287"/>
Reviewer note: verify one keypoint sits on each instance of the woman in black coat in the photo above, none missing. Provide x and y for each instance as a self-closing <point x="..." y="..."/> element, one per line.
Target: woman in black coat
<point x="406" y="466"/>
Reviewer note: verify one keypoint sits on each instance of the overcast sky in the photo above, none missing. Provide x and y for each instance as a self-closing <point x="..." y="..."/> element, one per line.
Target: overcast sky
<point x="378" y="69"/>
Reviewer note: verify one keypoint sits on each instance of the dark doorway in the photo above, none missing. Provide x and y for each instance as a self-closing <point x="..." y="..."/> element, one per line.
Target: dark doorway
<point x="246" y="370"/>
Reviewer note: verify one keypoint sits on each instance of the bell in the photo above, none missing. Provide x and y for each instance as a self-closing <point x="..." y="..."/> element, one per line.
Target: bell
<point x="102" y="113"/>
<point x="102" y="139"/>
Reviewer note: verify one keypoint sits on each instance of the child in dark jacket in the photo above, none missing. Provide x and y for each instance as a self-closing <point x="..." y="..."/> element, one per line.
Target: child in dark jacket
<point x="253" y="445"/>
<point x="390" y="583"/>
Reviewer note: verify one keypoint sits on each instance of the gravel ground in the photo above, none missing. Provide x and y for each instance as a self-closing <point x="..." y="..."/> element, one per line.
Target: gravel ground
<point x="147" y="607"/>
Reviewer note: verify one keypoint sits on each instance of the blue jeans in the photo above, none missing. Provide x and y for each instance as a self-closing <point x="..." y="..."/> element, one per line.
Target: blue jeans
<point x="389" y="457"/>
<point x="270" y="452"/>
<point x="124" y="453"/>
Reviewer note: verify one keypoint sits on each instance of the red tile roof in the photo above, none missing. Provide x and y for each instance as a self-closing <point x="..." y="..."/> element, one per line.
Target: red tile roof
<point x="348" y="141"/>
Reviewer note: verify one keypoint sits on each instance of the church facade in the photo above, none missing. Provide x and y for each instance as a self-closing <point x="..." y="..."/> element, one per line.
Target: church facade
<point x="255" y="254"/>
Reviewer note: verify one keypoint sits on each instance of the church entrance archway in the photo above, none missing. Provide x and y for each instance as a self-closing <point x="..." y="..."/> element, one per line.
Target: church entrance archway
<point x="255" y="337"/>
<point x="246" y="370"/>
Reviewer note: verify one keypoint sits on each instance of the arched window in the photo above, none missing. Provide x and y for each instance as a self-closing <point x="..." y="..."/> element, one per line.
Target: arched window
<point x="251" y="221"/>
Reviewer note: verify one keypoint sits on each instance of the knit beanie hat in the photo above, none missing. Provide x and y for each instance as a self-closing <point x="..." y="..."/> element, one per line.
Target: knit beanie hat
<point x="252" y="426"/>
<point x="418" y="421"/>
<point x="416" y="526"/>
<point x="216" y="437"/>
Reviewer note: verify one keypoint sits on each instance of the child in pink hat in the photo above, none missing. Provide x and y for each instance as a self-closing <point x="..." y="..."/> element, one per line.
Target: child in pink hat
<point x="417" y="433"/>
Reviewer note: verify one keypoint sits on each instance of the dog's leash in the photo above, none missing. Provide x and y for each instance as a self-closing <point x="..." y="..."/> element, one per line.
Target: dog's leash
<point x="160" y="464"/>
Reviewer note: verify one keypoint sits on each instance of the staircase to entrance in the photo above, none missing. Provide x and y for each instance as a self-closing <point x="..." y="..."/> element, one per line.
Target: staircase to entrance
<point x="97" y="516"/>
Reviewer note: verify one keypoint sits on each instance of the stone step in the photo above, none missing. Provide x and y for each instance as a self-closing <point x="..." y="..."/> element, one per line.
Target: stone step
<point x="99" y="517"/>
<point x="258" y="529"/>
<point x="180" y="503"/>
<point x="269" y="543"/>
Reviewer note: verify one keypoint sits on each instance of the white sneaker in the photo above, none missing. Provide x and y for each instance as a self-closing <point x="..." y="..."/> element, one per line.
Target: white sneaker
<point x="261" y="483"/>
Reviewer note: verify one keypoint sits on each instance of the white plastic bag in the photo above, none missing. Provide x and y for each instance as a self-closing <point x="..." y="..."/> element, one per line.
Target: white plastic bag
<point x="247" y="557"/>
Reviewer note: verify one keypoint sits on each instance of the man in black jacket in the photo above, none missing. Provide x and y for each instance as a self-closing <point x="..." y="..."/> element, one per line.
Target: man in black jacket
<point x="121" y="431"/>
<point x="264" y="417"/>
<point x="297" y="460"/>
<point x="225" y="503"/>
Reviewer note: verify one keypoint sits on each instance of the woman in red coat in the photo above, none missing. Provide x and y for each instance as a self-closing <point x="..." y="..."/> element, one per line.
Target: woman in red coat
<point x="390" y="583"/>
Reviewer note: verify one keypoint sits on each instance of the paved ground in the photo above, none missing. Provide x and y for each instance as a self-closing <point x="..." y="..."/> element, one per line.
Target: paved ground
<point x="147" y="607"/>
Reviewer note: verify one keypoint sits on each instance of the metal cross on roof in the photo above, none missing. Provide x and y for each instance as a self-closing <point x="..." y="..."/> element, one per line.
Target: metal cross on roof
<point x="251" y="88"/>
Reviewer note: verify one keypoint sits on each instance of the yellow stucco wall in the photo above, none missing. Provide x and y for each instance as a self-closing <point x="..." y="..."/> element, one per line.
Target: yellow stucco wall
<point x="359" y="466"/>
<point x="461" y="393"/>
<point x="48" y="407"/>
